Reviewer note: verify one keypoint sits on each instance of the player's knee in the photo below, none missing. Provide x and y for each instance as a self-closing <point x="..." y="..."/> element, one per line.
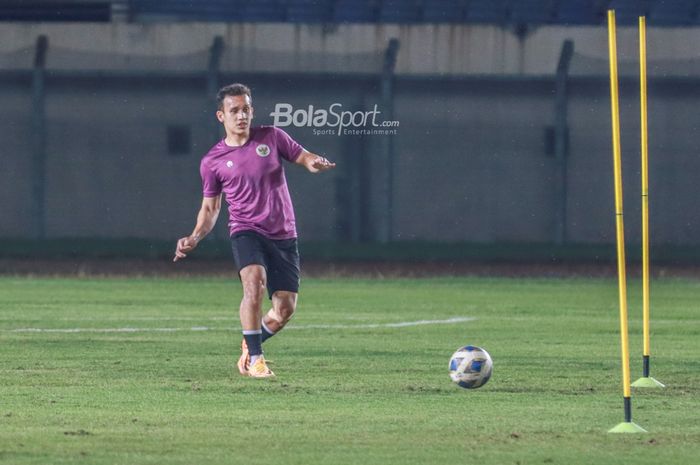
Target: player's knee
<point x="254" y="290"/>
<point x="254" y="283"/>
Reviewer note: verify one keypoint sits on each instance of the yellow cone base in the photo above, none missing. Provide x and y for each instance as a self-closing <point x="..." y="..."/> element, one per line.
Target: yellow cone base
<point x="627" y="427"/>
<point x="648" y="382"/>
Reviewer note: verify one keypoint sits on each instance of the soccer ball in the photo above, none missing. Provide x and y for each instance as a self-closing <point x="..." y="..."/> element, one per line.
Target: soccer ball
<point x="470" y="367"/>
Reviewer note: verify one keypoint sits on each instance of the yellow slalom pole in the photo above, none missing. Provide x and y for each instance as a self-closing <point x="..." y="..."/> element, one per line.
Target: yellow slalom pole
<point x="627" y="426"/>
<point x="645" y="178"/>
<point x="645" y="380"/>
<point x="619" y="222"/>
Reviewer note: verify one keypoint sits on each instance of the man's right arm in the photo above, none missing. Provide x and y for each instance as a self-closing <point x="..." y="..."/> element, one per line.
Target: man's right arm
<point x="206" y="219"/>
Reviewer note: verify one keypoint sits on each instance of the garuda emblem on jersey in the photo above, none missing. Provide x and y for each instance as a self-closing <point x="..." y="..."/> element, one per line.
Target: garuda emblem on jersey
<point x="262" y="150"/>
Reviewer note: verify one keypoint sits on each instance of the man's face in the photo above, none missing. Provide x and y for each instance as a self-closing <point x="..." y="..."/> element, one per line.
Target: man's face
<point x="236" y="114"/>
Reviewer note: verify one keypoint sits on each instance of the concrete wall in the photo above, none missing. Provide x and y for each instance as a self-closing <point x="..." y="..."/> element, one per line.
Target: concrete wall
<point x="470" y="161"/>
<point x="425" y="49"/>
<point x="15" y="159"/>
<point x="674" y="163"/>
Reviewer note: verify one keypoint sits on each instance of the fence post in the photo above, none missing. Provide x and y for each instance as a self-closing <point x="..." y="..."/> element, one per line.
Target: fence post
<point x="39" y="138"/>
<point x="385" y="232"/>
<point x="215" y="51"/>
<point x="561" y="141"/>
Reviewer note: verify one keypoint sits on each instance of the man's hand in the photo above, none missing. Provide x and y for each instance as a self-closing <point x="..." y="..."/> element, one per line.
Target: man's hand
<point x="314" y="163"/>
<point x="321" y="164"/>
<point x="317" y="164"/>
<point x="185" y="246"/>
<point x="206" y="219"/>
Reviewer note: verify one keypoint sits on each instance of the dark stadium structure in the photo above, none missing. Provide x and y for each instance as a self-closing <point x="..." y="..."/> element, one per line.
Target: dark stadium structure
<point x="511" y="96"/>
<point x="499" y="12"/>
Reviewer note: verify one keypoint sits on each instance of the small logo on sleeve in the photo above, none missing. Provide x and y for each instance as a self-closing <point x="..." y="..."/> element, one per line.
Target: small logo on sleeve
<point x="262" y="150"/>
<point x="229" y="164"/>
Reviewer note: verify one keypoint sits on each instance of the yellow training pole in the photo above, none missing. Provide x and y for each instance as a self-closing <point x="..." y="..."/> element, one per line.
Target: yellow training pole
<point x="619" y="222"/>
<point x="645" y="380"/>
<point x="627" y="426"/>
<point x="645" y="177"/>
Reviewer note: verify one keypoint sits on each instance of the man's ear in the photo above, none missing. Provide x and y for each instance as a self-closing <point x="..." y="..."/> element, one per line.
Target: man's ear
<point x="220" y="116"/>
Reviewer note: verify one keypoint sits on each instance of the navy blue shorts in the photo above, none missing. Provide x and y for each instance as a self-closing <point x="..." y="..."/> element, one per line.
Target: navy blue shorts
<point x="280" y="258"/>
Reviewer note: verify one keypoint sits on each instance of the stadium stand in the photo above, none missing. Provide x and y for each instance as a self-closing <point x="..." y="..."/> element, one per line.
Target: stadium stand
<point x="273" y="11"/>
<point x="532" y="11"/>
<point x="56" y="11"/>
<point x="487" y="11"/>
<point x="308" y="11"/>
<point x="674" y="12"/>
<point x="443" y="11"/>
<point x="499" y="12"/>
<point x="578" y="12"/>
<point x="399" y="11"/>
<point x="354" y="11"/>
<point x="627" y="11"/>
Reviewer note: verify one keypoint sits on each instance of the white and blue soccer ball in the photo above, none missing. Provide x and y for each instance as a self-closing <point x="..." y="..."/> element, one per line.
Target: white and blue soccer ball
<point x="470" y="367"/>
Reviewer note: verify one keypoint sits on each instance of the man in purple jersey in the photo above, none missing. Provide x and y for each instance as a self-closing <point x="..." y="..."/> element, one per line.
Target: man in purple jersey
<point x="246" y="168"/>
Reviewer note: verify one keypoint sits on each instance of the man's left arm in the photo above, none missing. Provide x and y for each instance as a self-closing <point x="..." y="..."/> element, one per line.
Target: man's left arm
<point x="314" y="163"/>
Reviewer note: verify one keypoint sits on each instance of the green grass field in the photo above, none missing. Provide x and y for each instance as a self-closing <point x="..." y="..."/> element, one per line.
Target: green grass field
<point x="142" y="371"/>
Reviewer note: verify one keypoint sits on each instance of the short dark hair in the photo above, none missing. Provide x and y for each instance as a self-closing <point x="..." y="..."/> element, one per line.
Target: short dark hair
<point x="230" y="91"/>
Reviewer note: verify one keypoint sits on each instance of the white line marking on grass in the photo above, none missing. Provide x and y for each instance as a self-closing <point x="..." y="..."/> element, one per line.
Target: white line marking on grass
<point x="130" y="318"/>
<point x="401" y="324"/>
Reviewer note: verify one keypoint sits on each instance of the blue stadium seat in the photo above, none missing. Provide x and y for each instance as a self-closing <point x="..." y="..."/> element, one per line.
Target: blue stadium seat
<point x="487" y="11"/>
<point x="399" y="11"/>
<point x="574" y="12"/>
<point x="532" y="11"/>
<point x="309" y="11"/>
<point x="672" y="12"/>
<point x="443" y="11"/>
<point x="355" y="11"/>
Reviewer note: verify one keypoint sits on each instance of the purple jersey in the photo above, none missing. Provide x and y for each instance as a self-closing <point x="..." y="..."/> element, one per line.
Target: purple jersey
<point x="252" y="179"/>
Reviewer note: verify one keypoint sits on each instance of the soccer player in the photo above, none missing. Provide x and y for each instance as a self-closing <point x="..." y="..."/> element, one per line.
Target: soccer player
<point x="246" y="167"/>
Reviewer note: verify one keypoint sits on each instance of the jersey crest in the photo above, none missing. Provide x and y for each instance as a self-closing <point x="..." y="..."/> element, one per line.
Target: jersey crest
<point x="262" y="150"/>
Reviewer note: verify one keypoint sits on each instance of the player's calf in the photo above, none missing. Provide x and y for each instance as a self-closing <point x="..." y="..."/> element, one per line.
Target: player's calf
<point x="275" y="320"/>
